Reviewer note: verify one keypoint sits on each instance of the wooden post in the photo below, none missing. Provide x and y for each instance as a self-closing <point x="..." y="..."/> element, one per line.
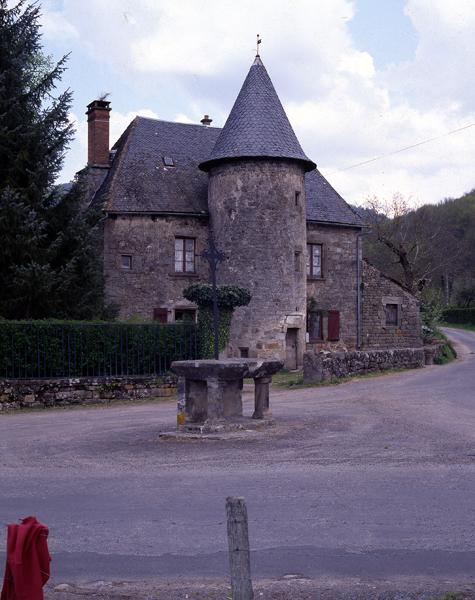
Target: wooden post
<point x="239" y="555"/>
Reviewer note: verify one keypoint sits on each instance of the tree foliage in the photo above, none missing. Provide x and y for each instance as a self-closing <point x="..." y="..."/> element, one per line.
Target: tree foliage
<point x="229" y="296"/>
<point x="206" y="330"/>
<point x="428" y="246"/>
<point x="49" y="256"/>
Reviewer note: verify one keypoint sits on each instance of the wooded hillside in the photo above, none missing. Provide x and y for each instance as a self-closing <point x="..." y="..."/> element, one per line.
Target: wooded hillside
<point x="431" y="248"/>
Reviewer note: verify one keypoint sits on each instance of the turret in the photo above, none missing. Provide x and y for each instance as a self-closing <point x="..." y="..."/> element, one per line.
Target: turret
<point x="256" y="201"/>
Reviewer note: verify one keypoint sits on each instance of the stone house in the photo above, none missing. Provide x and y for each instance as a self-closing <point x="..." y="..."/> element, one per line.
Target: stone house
<point x="286" y="234"/>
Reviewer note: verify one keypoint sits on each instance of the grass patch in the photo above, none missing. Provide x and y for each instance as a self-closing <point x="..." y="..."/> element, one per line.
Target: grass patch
<point x="447" y="354"/>
<point x="293" y="380"/>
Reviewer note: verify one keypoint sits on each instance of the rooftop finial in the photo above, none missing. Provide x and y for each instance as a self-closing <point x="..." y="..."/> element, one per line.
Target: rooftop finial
<point x="257" y="45"/>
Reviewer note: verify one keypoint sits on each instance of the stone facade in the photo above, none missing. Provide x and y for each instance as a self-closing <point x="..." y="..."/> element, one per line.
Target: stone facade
<point x="336" y="288"/>
<point x="247" y="200"/>
<point x="151" y="281"/>
<point x="378" y="293"/>
<point x="42" y="393"/>
<point x="326" y="366"/>
<point x="273" y="271"/>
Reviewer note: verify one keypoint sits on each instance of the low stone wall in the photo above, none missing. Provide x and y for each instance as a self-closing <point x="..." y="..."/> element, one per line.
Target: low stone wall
<point x="28" y="393"/>
<point x="324" y="366"/>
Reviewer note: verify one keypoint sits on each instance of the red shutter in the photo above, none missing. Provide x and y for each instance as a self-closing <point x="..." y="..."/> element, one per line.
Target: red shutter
<point x="160" y="315"/>
<point x="333" y="325"/>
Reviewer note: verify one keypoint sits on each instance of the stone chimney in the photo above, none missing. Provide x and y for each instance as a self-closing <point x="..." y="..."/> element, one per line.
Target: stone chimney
<point x="98" y="133"/>
<point x="206" y="121"/>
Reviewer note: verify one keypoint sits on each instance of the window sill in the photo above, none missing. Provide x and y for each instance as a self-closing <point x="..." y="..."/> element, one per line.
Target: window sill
<point x="313" y="278"/>
<point x="179" y="274"/>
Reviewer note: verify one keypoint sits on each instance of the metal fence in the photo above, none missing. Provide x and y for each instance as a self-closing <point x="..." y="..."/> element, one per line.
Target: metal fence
<point x="48" y="350"/>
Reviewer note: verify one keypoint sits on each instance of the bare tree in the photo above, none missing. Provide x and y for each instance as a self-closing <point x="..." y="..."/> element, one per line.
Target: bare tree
<point x="405" y="240"/>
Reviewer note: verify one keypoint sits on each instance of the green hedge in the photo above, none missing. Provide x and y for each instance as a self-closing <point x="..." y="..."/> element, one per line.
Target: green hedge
<point x="78" y="349"/>
<point x="459" y="315"/>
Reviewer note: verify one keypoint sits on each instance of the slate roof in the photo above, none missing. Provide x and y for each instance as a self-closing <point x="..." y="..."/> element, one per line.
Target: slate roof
<point x="324" y="203"/>
<point x="139" y="182"/>
<point x="257" y="125"/>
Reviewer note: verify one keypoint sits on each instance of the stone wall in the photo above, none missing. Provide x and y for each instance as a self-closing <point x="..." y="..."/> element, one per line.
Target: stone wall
<point x="41" y="393"/>
<point x="151" y="282"/>
<point x="325" y="366"/>
<point x="336" y="289"/>
<point x="378" y="291"/>
<point x="257" y="210"/>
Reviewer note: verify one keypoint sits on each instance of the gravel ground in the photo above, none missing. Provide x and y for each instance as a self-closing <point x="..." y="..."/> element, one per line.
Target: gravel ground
<point x="364" y="489"/>
<point x="292" y="588"/>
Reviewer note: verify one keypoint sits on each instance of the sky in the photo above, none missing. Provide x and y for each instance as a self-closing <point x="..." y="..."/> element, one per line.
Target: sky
<point x="358" y="79"/>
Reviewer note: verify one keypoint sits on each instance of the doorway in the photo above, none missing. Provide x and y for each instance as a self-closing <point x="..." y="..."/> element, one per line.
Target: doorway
<point x="291" y="347"/>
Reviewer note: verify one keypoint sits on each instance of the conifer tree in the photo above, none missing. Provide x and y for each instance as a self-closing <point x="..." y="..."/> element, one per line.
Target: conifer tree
<point x="49" y="253"/>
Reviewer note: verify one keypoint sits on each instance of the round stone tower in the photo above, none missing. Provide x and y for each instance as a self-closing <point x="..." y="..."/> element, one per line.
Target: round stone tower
<point x="256" y="201"/>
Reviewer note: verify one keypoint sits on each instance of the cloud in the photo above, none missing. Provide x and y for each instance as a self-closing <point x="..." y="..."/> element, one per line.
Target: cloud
<point x="191" y="57"/>
<point x="56" y="26"/>
<point x="442" y="70"/>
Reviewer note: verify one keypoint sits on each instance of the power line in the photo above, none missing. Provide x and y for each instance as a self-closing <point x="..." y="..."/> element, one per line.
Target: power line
<point x="438" y="137"/>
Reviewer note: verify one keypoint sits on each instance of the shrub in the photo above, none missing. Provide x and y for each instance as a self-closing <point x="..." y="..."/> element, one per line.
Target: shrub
<point x="206" y="330"/>
<point x="445" y="355"/>
<point x="229" y="296"/>
<point x="459" y="315"/>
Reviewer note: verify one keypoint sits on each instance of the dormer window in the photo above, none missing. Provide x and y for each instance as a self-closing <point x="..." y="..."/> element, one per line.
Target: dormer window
<point x="168" y="161"/>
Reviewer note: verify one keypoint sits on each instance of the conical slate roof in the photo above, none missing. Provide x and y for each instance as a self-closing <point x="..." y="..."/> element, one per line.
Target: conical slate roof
<point x="257" y="125"/>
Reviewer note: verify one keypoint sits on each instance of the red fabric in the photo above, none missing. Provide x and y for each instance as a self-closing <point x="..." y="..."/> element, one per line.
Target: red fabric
<point x="28" y="559"/>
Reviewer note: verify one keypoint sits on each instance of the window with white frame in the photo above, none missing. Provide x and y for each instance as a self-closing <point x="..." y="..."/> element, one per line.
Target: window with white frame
<point x="314" y="260"/>
<point x="184" y="255"/>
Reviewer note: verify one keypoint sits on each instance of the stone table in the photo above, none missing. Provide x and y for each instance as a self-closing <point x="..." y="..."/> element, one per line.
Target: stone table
<point x="210" y="391"/>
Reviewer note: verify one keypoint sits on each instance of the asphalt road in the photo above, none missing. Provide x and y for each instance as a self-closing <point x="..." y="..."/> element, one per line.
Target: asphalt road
<point x="372" y="478"/>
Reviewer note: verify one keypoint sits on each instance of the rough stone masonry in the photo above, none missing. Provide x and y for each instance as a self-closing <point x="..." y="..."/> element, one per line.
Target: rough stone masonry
<point x="326" y="366"/>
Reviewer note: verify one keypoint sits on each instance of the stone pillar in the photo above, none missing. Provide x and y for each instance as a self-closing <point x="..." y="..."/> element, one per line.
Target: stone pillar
<point x="196" y="407"/>
<point x="261" y="397"/>
<point x="181" y="402"/>
<point x="224" y="398"/>
<point x="215" y="396"/>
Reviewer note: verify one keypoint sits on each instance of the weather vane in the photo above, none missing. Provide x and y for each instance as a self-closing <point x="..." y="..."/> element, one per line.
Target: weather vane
<point x="257" y="45"/>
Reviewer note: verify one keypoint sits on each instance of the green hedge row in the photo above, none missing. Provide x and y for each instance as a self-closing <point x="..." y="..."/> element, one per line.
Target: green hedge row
<point x="459" y="315"/>
<point x="77" y="349"/>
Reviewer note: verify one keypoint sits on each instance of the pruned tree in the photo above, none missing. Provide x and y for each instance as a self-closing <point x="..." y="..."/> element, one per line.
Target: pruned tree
<point x="405" y="241"/>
